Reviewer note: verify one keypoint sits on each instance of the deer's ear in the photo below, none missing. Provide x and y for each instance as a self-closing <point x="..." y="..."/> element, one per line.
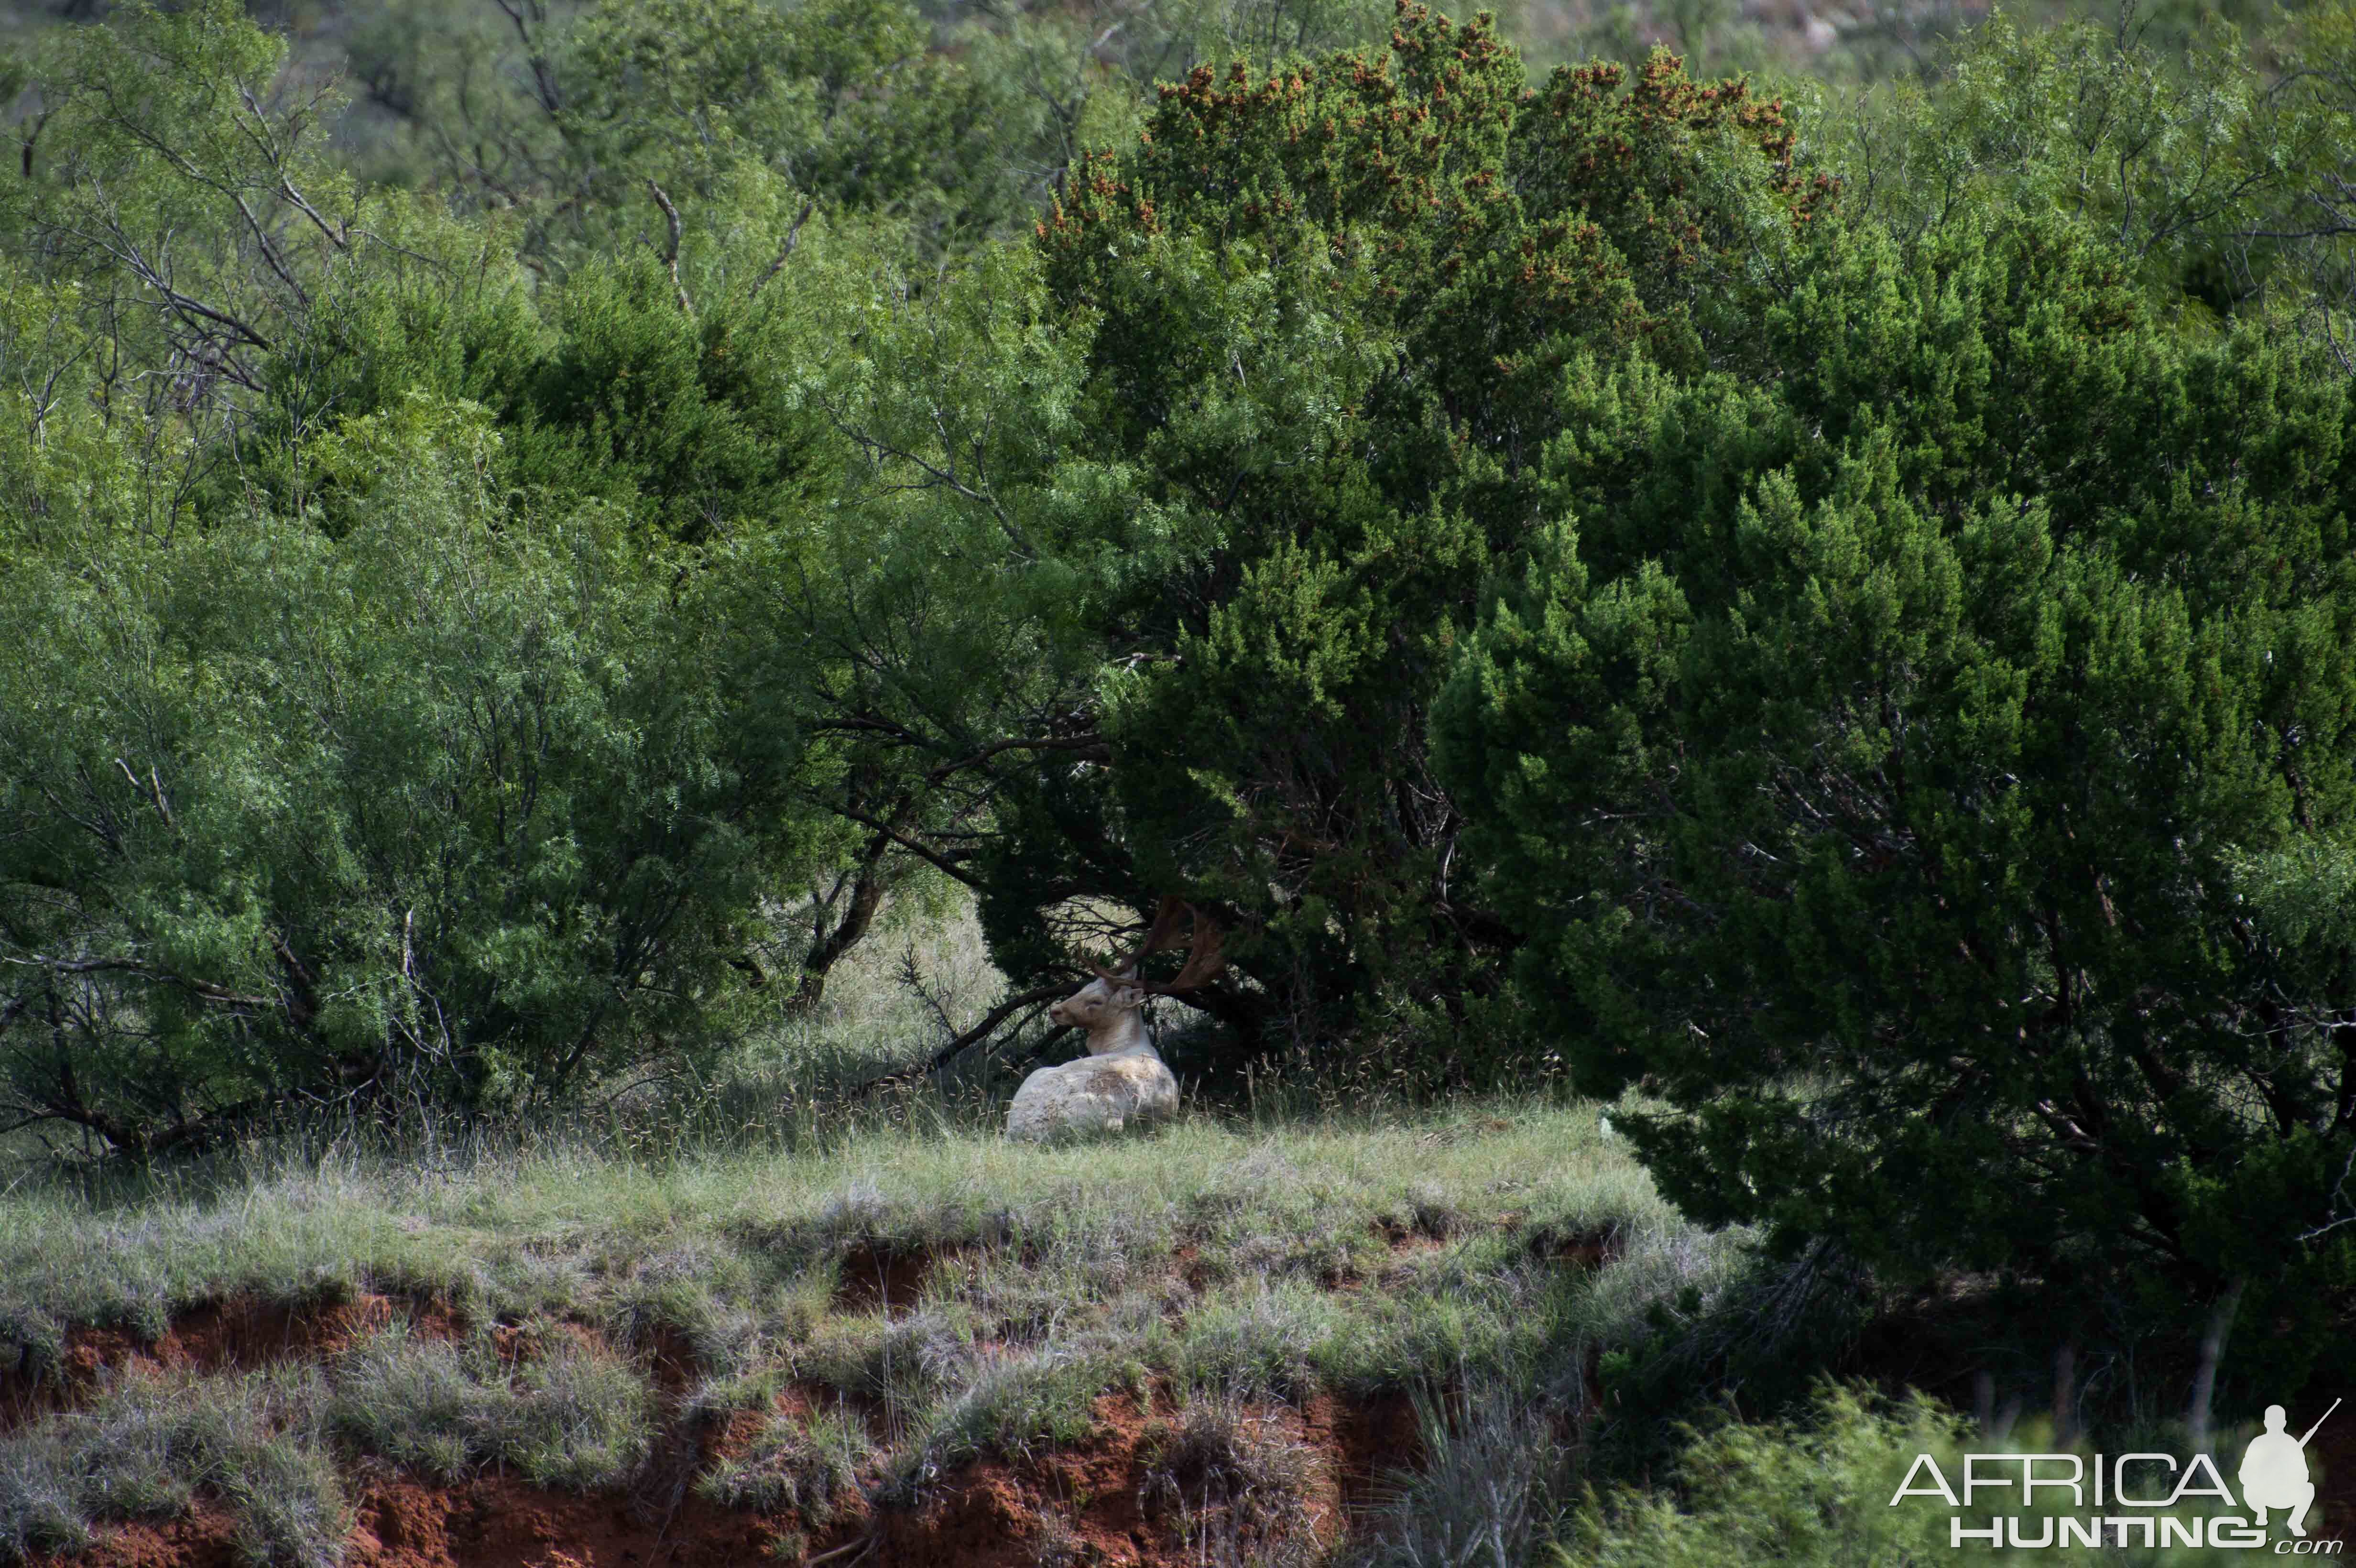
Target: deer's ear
<point x="1126" y="997"/>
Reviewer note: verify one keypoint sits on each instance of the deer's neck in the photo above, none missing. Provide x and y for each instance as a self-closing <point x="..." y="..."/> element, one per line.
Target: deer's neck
<point x="1124" y="1032"/>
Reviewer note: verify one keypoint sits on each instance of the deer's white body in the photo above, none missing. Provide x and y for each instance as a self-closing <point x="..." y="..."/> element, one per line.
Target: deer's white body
<point x="1096" y="1094"/>
<point x="1122" y="1082"/>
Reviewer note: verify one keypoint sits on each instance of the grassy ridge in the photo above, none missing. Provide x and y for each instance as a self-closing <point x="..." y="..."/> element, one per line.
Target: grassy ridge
<point x="965" y="1296"/>
<point x="575" y="1230"/>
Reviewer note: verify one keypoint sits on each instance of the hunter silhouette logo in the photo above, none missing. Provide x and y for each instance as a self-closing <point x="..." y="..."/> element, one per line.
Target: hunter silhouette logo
<point x="2273" y="1471"/>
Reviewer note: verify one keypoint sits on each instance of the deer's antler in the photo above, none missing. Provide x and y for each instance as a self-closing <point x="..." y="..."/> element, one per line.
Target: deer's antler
<point x="1204" y="961"/>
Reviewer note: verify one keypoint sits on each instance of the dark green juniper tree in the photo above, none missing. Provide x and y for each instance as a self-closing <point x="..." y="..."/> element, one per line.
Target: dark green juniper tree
<point x="1910" y="765"/>
<point x="1325" y="315"/>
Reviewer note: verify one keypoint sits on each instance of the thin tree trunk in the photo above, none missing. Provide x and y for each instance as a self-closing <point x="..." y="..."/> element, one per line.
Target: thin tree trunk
<point x="867" y="890"/>
<point x="2213" y="1351"/>
<point x="2065" y="1393"/>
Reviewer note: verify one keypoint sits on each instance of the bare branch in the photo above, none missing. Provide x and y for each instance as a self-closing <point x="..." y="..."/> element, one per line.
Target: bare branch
<point x="206" y="989"/>
<point x="670" y="254"/>
<point x="2339" y="1195"/>
<point x="934" y="858"/>
<point x="338" y="238"/>
<point x="998" y="1015"/>
<point x="269" y="251"/>
<point x="523" y="15"/>
<point x="792" y="237"/>
<point x="1092" y="747"/>
<point x="154" y="792"/>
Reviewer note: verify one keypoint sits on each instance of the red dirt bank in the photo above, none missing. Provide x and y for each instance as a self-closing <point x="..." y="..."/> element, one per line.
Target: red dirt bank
<point x="993" y="1514"/>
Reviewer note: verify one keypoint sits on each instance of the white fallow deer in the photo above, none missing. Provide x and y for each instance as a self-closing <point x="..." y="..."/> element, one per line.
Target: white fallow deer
<point x="1122" y="1081"/>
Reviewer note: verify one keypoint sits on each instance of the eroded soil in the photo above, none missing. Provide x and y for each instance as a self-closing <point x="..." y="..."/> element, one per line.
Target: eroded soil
<point x="1095" y="1504"/>
<point x="217" y="1338"/>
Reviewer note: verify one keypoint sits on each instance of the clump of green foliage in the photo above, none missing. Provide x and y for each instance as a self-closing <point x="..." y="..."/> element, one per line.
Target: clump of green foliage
<point x="1947" y="712"/>
<point x="568" y="1415"/>
<point x="802" y="1465"/>
<point x="145" y="1450"/>
<point x="1817" y="1490"/>
<point x="1317" y="323"/>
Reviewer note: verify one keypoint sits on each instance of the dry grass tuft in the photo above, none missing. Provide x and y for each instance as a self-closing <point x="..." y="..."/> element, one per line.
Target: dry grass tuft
<point x="803" y="1465"/>
<point x="1235" y="1481"/>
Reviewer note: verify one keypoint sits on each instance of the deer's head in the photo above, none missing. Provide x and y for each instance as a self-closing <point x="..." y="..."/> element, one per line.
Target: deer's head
<point x="1106" y="1006"/>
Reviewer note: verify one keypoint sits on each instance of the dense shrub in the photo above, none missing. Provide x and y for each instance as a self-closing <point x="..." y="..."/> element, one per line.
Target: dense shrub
<point x="1241" y="449"/>
<point x="454" y="808"/>
<point x="1870" y="759"/>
